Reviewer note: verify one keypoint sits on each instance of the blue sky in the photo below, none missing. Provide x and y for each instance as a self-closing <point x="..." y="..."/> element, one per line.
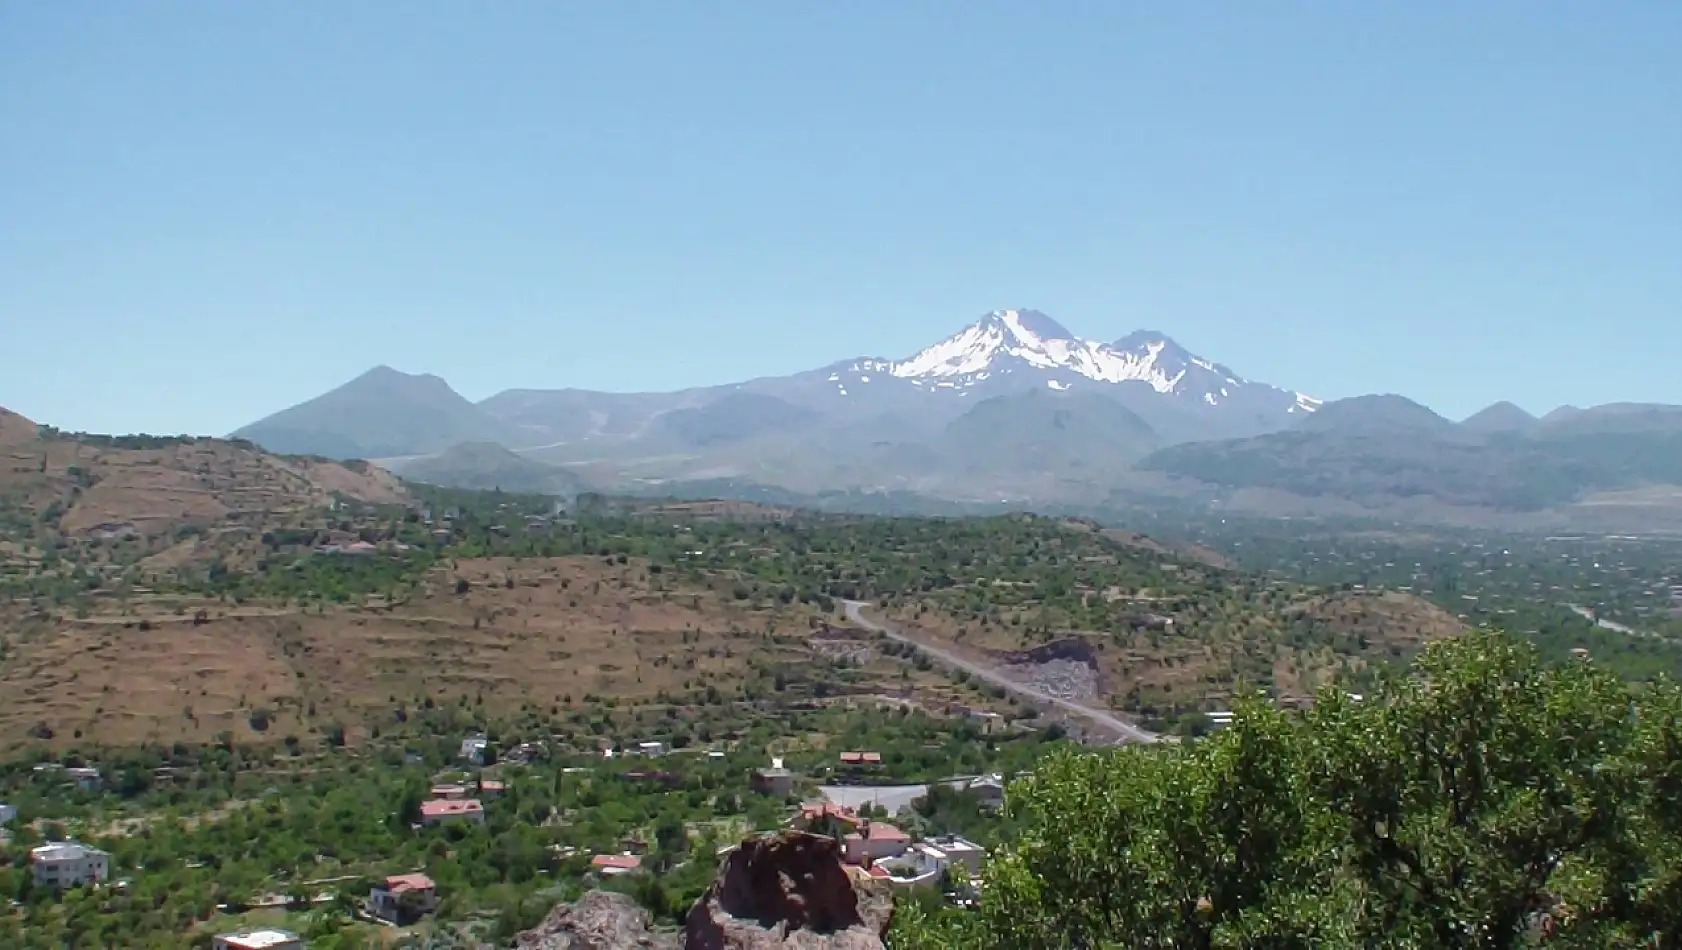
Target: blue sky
<point x="211" y="211"/>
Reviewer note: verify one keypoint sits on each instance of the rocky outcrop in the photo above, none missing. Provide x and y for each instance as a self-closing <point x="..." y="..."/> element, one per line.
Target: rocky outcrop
<point x="600" y="920"/>
<point x="1076" y="649"/>
<point x="788" y="890"/>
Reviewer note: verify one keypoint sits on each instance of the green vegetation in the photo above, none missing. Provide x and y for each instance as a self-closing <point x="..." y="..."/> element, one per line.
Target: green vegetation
<point x="1451" y="808"/>
<point x="197" y="829"/>
<point x="1524" y="585"/>
<point x="1481" y="801"/>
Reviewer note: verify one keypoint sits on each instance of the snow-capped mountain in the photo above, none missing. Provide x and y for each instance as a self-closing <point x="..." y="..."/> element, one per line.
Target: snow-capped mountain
<point x="868" y="401"/>
<point x="1012" y="350"/>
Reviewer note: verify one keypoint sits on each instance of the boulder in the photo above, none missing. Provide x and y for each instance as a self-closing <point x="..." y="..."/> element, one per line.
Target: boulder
<point x="788" y="890"/>
<point x="600" y="920"/>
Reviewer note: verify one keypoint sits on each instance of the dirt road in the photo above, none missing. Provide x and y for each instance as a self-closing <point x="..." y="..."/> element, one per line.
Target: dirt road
<point x="1106" y="721"/>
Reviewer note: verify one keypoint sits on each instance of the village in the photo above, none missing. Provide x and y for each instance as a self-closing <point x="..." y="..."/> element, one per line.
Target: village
<point x="843" y="800"/>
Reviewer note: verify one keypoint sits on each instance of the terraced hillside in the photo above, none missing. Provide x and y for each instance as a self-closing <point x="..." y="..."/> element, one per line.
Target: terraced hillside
<point x="53" y="483"/>
<point x="557" y="633"/>
<point x="263" y="614"/>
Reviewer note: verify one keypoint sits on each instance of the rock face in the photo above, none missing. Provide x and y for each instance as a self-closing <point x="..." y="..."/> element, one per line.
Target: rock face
<point x="601" y="920"/>
<point x="788" y="890"/>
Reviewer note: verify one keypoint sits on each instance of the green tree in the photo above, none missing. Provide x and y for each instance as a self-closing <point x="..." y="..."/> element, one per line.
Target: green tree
<point x="1467" y="788"/>
<point x="1482" y="800"/>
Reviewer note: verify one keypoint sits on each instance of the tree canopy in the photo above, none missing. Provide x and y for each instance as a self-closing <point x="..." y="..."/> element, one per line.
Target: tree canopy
<point x="1483" y="799"/>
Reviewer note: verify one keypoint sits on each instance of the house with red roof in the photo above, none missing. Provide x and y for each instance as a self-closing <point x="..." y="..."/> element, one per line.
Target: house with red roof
<point x="817" y="813"/>
<point x="610" y="865"/>
<point x="873" y="841"/>
<point x="444" y="810"/>
<point x="853" y="761"/>
<point x="403" y="898"/>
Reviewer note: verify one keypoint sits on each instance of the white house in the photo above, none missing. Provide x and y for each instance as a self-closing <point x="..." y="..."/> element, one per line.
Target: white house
<point x="69" y="864"/>
<point x="918" y="867"/>
<point x="266" y="939"/>
<point x="473" y="750"/>
<point x="651" y="748"/>
<point x="989" y="790"/>
<point x="925" y="862"/>
<point x="776" y="781"/>
<point x="959" y="852"/>
<point x="7" y="813"/>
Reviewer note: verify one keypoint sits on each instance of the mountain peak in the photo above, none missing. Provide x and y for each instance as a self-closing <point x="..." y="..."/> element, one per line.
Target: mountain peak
<point x="1500" y="417"/>
<point x="1027" y="326"/>
<point x="1382" y="412"/>
<point x="380" y="414"/>
<point x="1023" y="335"/>
<point x="388" y="375"/>
<point x="1139" y="339"/>
<point x="1027" y="344"/>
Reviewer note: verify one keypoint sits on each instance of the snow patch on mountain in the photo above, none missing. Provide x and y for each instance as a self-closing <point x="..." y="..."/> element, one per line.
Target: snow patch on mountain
<point x="1005" y="340"/>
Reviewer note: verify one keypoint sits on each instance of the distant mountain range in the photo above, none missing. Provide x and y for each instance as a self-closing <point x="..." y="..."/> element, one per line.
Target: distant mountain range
<point x="1013" y="409"/>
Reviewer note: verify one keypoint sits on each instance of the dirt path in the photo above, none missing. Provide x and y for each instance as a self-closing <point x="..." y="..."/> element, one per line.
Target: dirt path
<point x="1107" y="721"/>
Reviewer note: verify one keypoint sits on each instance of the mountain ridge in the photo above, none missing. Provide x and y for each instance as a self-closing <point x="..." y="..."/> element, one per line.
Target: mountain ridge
<point x="381" y="413"/>
<point x="1075" y="421"/>
<point x="385" y="413"/>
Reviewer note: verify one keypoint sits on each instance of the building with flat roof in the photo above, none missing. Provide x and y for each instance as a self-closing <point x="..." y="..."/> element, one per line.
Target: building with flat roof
<point x="474" y="749"/>
<point x="775" y="781"/>
<point x="265" y="939"/>
<point x="69" y="864"/>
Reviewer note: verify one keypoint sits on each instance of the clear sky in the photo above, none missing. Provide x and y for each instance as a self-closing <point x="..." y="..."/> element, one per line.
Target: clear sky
<point x="210" y="211"/>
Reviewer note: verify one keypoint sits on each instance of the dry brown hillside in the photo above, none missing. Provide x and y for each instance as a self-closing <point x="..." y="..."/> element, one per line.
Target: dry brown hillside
<point x="1295" y="641"/>
<point x="80" y="484"/>
<point x="552" y="632"/>
<point x="15" y="428"/>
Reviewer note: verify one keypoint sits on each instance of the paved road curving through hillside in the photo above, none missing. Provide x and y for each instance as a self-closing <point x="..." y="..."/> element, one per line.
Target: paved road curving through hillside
<point x="1098" y="717"/>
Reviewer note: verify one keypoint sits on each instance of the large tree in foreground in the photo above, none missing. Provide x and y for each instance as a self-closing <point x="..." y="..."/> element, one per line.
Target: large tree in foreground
<point x="1483" y="800"/>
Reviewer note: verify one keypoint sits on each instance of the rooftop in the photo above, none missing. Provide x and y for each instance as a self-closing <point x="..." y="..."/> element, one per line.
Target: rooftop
<point x="879" y="831"/>
<point x="617" y="862"/>
<point x="815" y="811"/>
<point x="259" y="939"/>
<point x="62" y="851"/>
<point x="952" y="844"/>
<point x="404" y="883"/>
<point x="443" y="808"/>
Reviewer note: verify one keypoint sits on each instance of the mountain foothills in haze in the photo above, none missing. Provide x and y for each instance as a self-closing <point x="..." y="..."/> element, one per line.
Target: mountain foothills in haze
<point x="1016" y="410"/>
<point x="484" y="466"/>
